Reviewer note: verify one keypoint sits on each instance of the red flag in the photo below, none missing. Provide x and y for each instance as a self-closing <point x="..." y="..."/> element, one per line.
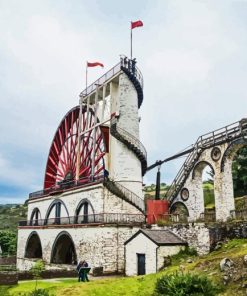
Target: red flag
<point x="136" y="24"/>
<point x="95" y="64"/>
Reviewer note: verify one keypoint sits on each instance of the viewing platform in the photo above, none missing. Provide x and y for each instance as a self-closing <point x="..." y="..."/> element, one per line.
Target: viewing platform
<point x="93" y="219"/>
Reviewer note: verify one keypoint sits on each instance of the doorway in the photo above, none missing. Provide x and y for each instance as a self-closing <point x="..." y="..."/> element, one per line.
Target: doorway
<point x="141" y="264"/>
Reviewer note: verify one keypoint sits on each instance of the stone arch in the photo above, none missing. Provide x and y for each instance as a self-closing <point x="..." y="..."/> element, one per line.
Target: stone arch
<point x="231" y="150"/>
<point x="177" y="204"/>
<point x="35" y="216"/>
<point x="86" y="217"/>
<point x="201" y="166"/>
<point x="33" y="247"/>
<point x="57" y="204"/>
<point x="63" y="249"/>
<point x="204" y="197"/>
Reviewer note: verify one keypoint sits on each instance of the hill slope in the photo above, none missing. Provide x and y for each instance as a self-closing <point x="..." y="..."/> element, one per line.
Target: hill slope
<point x="10" y="215"/>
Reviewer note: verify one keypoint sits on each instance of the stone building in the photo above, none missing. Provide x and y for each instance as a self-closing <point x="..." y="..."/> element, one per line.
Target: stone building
<point x="147" y="250"/>
<point x="92" y="199"/>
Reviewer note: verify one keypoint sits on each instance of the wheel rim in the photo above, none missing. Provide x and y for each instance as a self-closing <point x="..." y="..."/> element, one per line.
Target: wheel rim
<point x="62" y="158"/>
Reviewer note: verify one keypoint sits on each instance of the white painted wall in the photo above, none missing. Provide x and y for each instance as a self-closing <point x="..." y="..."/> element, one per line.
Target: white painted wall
<point x="99" y="245"/>
<point x="125" y="167"/>
<point x="140" y="245"/>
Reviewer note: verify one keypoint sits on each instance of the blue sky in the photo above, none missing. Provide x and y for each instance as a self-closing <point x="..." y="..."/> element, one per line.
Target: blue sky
<point x="192" y="55"/>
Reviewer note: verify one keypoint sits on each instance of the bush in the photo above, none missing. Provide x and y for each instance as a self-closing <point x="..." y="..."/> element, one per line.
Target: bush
<point x="179" y="284"/>
<point x="38" y="292"/>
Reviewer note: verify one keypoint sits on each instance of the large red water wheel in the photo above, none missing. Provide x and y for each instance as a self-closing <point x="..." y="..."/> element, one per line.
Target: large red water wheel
<point x="62" y="158"/>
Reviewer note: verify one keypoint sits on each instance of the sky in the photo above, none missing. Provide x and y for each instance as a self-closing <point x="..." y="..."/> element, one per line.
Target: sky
<point x="192" y="55"/>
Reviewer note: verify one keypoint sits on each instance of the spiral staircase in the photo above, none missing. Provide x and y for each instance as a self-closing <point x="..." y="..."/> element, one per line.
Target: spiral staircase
<point x="131" y="142"/>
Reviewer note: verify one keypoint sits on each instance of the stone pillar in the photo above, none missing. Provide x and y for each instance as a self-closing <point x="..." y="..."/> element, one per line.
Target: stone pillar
<point x="224" y="196"/>
<point x="196" y="201"/>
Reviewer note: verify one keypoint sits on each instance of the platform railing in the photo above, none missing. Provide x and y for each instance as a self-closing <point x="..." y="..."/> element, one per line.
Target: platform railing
<point x="65" y="185"/>
<point x="111" y="73"/>
<point x="207" y="217"/>
<point x="239" y="214"/>
<point x="105" y="218"/>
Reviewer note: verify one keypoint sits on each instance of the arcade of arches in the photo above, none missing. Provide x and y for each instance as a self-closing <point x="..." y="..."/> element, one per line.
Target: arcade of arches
<point x="214" y="182"/>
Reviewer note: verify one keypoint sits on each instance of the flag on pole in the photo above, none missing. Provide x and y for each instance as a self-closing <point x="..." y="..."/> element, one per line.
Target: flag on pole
<point x="136" y="24"/>
<point x="95" y="64"/>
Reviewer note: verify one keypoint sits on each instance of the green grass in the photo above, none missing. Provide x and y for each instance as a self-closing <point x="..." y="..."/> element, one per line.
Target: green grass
<point x="144" y="285"/>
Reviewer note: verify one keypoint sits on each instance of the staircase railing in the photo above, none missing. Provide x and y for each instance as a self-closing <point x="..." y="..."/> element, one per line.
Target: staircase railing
<point x="129" y="137"/>
<point x="126" y="194"/>
<point x="217" y="137"/>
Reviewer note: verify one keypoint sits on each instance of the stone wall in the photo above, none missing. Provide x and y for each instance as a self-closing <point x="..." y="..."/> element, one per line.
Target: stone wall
<point x="100" y="245"/>
<point x="8" y="260"/>
<point x="197" y="235"/>
<point x="204" y="237"/>
<point x="8" y="278"/>
<point x="165" y="251"/>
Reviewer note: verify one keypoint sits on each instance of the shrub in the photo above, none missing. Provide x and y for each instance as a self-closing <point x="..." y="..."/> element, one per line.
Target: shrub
<point x="180" y="284"/>
<point x="38" y="292"/>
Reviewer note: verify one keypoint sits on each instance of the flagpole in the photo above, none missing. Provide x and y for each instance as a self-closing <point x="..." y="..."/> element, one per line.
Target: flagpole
<point x="86" y="77"/>
<point x="130" y="41"/>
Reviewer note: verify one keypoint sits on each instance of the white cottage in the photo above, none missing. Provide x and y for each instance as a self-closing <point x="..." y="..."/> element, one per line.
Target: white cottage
<point x="145" y="250"/>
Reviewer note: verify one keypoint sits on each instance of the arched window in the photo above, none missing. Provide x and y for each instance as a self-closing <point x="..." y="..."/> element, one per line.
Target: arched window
<point x="84" y="212"/>
<point x="33" y="246"/>
<point x="57" y="213"/>
<point x="63" y="250"/>
<point x="35" y="217"/>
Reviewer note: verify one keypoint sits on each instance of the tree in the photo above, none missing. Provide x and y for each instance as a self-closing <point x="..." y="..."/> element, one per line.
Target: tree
<point x="8" y="242"/>
<point x="36" y="271"/>
<point x="239" y="172"/>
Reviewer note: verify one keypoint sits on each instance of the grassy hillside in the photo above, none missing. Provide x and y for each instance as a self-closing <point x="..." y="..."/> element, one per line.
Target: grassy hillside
<point x="208" y="188"/>
<point x="144" y="285"/>
<point x="10" y="215"/>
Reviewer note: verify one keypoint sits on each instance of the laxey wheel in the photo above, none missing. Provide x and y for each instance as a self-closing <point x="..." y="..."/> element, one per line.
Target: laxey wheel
<point x="62" y="158"/>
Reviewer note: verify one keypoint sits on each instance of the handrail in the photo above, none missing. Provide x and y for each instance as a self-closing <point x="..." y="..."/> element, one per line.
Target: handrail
<point x="127" y="194"/>
<point x="216" y="137"/>
<point x="66" y="185"/>
<point x="126" y="63"/>
<point x="105" y="218"/>
<point x="129" y="137"/>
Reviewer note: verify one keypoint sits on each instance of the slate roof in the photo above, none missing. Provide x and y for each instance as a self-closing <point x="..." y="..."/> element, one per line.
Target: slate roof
<point x="160" y="237"/>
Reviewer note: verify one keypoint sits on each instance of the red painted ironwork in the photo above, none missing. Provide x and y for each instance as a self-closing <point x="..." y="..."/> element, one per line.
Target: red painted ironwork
<point x="62" y="158"/>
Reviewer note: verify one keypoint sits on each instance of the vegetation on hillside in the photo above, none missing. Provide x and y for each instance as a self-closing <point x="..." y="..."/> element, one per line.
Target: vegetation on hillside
<point x="10" y="215"/>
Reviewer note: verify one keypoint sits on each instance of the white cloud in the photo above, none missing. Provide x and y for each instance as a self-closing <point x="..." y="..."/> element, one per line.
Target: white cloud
<point x="192" y="55"/>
